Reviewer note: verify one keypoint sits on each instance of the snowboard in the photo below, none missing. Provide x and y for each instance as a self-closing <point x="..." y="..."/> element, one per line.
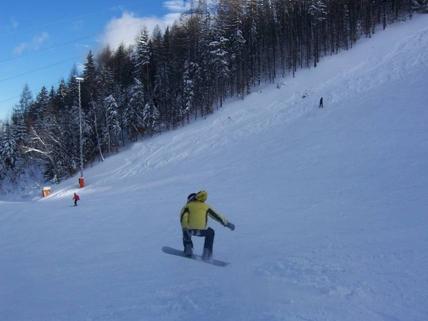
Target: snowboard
<point x="172" y="251"/>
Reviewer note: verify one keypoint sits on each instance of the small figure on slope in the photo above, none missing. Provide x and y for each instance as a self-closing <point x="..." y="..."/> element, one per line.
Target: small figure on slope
<point x="321" y="105"/>
<point x="76" y="198"/>
<point x="194" y="219"/>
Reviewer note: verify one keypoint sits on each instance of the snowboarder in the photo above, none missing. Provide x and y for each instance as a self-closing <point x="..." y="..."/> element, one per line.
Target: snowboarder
<point x="76" y="198"/>
<point x="194" y="218"/>
<point x="321" y="105"/>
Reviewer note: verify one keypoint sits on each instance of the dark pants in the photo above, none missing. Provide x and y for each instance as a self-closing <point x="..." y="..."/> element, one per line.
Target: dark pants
<point x="75" y="202"/>
<point x="208" y="234"/>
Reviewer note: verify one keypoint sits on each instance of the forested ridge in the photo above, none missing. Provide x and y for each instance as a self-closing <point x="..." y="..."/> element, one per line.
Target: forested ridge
<point x="169" y="77"/>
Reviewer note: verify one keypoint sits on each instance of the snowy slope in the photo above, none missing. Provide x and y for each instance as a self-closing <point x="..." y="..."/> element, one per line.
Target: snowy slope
<point x="330" y="206"/>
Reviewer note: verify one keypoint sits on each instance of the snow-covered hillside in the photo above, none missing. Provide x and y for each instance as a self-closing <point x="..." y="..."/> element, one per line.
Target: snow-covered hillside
<point x="330" y="205"/>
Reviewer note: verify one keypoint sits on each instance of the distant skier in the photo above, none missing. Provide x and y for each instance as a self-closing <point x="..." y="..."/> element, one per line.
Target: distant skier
<point x="194" y="218"/>
<point x="76" y="198"/>
<point x="321" y="105"/>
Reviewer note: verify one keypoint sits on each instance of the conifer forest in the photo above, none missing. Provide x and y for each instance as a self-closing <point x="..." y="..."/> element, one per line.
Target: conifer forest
<point x="167" y="78"/>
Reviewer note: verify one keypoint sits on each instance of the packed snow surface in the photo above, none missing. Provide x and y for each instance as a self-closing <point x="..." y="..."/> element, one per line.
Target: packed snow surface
<point x="331" y="207"/>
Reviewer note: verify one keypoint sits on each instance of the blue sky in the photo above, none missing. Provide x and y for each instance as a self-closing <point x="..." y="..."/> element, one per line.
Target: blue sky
<point x="42" y="40"/>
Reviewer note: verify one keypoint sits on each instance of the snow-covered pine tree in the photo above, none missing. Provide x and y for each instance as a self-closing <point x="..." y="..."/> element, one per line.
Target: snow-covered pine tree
<point x="19" y="115"/>
<point x="162" y="97"/>
<point x="67" y="123"/>
<point x="420" y="5"/>
<point x="178" y="45"/>
<point x="89" y="86"/>
<point x="220" y="57"/>
<point x="106" y="87"/>
<point x="70" y="121"/>
<point x="151" y="117"/>
<point x="38" y="109"/>
<point x="91" y="107"/>
<point x="133" y="114"/>
<point x="219" y="65"/>
<point x="112" y="129"/>
<point x="318" y="12"/>
<point x="54" y="145"/>
<point x="234" y="24"/>
<point x="141" y="59"/>
<point x="9" y="149"/>
<point x="206" y="90"/>
<point x="122" y="67"/>
<point x="191" y="83"/>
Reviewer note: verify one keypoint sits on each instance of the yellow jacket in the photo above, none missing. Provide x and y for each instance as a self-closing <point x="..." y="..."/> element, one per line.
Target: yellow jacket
<point x="194" y="215"/>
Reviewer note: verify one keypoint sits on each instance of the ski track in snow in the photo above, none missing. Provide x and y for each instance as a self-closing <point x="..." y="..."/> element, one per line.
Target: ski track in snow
<point x="330" y="207"/>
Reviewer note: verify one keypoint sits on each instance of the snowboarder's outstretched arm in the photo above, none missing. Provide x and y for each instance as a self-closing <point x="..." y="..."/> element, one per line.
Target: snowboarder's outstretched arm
<point x="220" y="218"/>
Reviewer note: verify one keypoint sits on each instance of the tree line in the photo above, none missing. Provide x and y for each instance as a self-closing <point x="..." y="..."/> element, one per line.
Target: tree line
<point x="166" y="79"/>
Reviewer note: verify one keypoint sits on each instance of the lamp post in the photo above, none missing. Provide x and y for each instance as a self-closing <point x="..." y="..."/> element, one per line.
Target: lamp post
<point x="81" y="179"/>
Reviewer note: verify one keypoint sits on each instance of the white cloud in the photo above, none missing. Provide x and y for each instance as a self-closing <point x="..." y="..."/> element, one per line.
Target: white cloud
<point x="40" y="39"/>
<point x="177" y="5"/>
<point x="34" y="44"/>
<point x="20" y="48"/>
<point x="124" y="29"/>
<point x="127" y="27"/>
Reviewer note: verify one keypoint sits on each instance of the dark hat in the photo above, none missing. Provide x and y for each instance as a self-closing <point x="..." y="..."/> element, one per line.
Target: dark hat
<point x="191" y="197"/>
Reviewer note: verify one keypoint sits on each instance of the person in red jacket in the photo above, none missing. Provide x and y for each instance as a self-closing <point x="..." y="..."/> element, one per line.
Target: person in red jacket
<point x="76" y="198"/>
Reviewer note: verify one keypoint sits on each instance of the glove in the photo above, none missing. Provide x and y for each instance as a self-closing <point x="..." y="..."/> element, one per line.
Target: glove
<point x="231" y="226"/>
